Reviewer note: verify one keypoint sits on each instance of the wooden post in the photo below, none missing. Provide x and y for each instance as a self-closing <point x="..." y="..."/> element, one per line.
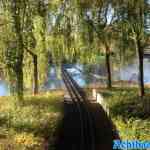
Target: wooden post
<point x="94" y="94"/>
<point x="102" y="102"/>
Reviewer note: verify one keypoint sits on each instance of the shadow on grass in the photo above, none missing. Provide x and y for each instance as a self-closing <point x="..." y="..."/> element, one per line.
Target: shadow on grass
<point x="128" y="109"/>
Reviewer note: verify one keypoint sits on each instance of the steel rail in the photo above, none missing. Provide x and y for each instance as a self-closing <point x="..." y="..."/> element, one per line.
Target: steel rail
<point x="78" y="109"/>
<point x="79" y="97"/>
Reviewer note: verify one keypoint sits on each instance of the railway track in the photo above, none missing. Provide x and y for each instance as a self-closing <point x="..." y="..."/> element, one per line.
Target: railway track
<point x="80" y="102"/>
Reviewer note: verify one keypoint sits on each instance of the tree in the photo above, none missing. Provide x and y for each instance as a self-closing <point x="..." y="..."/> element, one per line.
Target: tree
<point x="16" y="8"/>
<point x="134" y="26"/>
<point x="35" y="72"/>
<point x="104" y="29"/>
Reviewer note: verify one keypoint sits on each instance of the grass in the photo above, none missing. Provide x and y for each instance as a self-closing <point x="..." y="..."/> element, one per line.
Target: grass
<point x="130" y="113"/>
<point x="27" y="126"/>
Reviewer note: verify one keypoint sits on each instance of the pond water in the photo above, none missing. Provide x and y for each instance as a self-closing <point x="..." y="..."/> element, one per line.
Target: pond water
<point x="85" y="75"/>
<point x="4" y="88"/>
<point x="53" y="81"/>
<point x="130" y="72"/>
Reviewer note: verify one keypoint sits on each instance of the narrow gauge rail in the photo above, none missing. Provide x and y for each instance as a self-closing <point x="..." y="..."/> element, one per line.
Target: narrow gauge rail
<point x="80" y="102"/>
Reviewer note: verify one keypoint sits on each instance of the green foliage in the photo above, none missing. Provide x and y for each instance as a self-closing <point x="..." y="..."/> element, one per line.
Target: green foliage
<point x="133" y="128"/>
<point x="128" y="112"/>
<point x="27" y="126"/>
<point x="69" y="31"/>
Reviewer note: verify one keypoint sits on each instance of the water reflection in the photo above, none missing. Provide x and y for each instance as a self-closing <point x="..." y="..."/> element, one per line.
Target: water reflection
<point x="77" y="76"/>
<point x="85" y="75"/>
<point x="130" y="72"/>
<point x="53" y="81"/>
<point x="4" y="88"/>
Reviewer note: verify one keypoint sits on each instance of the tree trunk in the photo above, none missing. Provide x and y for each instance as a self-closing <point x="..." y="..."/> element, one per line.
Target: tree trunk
<point x="19" y="82"/>
<point x="141" y="69"/>
<point x="108" y="66"/>
<point x="35" y="75"/>
<point x="18" y="69"/>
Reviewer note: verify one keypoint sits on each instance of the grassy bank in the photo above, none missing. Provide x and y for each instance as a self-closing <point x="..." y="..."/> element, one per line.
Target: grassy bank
<point x="28" y="126"/>
<point x="129" y="112"/>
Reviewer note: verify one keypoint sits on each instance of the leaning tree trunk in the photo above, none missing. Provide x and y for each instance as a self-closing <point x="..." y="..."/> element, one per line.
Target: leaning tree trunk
<point x="108" y="66"/>
<point x="141" y="69"/>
